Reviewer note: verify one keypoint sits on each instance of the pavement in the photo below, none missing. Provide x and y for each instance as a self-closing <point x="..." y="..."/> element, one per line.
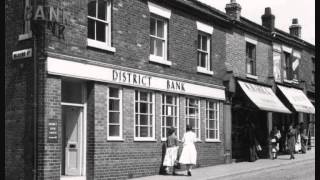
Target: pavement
<point x="234" y="169"/>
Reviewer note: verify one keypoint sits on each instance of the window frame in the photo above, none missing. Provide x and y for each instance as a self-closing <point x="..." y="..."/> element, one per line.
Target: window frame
<point x="120" y="137"/>
<point x="207" y="119"/>
<point x="208" y="64"/>
<point x="108" y="25"/>
<point x="252" y="60"/>
<point x="153" y="138"/>
<point x="177" y="99"/>
<point x="164" y="58"/>
<point x="187" y="117"/>
<point x="27" y="32"/>
<point x="286" y="66"/>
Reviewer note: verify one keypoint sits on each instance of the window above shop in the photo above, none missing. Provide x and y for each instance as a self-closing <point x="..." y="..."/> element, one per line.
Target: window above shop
<point x="204" y="64"/>
<point x="99" y="25"/>
<point x="27" y="33"/>
<point x="159" y="17"/>
<point x="250" y="58"/>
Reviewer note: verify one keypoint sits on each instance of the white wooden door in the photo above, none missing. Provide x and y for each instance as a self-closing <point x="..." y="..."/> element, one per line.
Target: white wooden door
<point x="72" y="118"/>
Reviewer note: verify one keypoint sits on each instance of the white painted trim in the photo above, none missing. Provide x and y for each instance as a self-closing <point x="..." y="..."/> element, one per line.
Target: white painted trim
<point x="296" y="54"/>
<point x="72" y="104"/>
<point x="73" y="178"/>
<point x="204" y="70"/>
<point x="120" y="137"/>
<point x="159" y="10"/>
<point x="100" y="45"/>
<point x="204" y="27"/>
<point x="25" y="36"/>
<point x="250" y="39"/>
<point x="287" y="49"/>
<point x="252" y="76"/>
<point x="159" y="60"/>
<point x="276" y="47"/>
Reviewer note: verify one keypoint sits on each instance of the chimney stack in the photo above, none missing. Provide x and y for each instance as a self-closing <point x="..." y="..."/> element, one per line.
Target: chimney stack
<point x="233" y="9"/>
<point x="268" y="19"/>
<point x="295" y="28"/>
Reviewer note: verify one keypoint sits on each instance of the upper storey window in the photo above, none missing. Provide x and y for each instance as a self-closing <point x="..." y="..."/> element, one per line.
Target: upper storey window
<point x="99" y="24"/>
<point x="287" y="66"/>
<point x="250" y="58"/>
<point x="295" y="65"/>
<point x="159" y="33"/>
<point x="27" y="21"/>
<point x="204" y="46"/>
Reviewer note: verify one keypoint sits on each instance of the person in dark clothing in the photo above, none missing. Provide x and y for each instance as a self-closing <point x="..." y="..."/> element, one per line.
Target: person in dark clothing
<point x="304" y="138"/>
<point x="291" y="140"/>
<point x="274" y="137"/>
<point x="250" y="141"/>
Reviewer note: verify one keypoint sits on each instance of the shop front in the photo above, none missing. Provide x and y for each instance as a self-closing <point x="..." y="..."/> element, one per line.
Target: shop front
<point x="253" y="103"/>
<point x="302" y="113"/>
<point x="116" y="119"/>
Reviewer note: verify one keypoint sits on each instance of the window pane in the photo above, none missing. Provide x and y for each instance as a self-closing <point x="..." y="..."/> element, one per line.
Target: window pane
<point x="150" y="120"/>
<point x="137" y="119"/>
<point x="114" y="105"/>
<point x="249" y="68"/>
<point x="203" y="60"/>
<point x="143" y="108"/>
<point x="152" y="26"/>
<point x="169" y="121"/>
<point x="199" y="58"/>
<point x="199" y="41"/>
<point x="91" y="30"/>
<point x="160" y="28"/>
<point x="204" y="43"/>
<point x="143" y="119"/>
<point x="136" y="95"/>
<point x="211" y="114"/>
<point x="143" y="96"/>
<point x="92" y="8"/>
<point x="102" y="9"/>
<point x="114" y="117"/>
<point x="211" y="124"/>
<point x="159" y="47"/>
<point x="101" y="31"/>
<point x="143" y="131"/>
<point x="114" y="130"/>
<point x="152" y="45"/>
<point x="211" y="134"/>
<point x="192" y="122"/>
<point x="113" y="92"/>
<point x="137" y="131"/>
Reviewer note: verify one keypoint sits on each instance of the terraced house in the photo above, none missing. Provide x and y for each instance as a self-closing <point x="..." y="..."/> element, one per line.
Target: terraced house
<point x="92" y="86"/>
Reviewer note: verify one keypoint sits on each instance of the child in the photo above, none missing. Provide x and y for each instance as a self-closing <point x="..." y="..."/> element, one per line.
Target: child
<point x="171" y="152"/>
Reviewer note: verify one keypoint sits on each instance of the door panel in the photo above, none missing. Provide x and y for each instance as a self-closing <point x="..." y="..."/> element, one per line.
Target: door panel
<point x="72" y="120"/>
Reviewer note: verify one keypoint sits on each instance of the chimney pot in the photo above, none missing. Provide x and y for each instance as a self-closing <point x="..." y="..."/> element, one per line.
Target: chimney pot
<point x="294" y="21"/>
<point x="268" y="19"/>
<point x="267" y="11"/>
<point x="233" y="9"/>
<point x="295" y="28"/>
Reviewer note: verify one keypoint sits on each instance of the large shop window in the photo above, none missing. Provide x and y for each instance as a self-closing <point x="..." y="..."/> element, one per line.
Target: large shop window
<point x="250" y="58"/>
<point x="204" y="61"/>
<point x="115" y="114"/>
<point x="212" y="120"/>
<point x="193" y="114"/>
<point x="169" y="115"/>
<point x="144" y="115"/>
<point x="99" y="24"/>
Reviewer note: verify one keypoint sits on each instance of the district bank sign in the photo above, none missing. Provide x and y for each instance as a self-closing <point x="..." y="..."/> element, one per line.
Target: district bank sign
<point x="142" y="80"/>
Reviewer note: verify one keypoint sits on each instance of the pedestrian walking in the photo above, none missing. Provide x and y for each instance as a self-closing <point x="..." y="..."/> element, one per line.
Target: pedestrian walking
<point x="189" y="152"/>
<point x="274" y="138"/>
<point x="304" y="138"/>
<point x="291" y="140"/>
<point x="250" y="141"/>
<point x="171" y="152"/>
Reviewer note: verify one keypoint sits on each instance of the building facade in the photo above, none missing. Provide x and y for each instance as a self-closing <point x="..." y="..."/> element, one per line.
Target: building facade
<point x="92" y="86"/>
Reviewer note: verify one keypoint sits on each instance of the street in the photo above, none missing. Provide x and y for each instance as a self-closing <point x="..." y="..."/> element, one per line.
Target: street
<point x="295" y="171"/>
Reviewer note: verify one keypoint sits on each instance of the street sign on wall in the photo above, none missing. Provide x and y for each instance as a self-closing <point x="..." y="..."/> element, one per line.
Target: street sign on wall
<point x="21" y="54"/>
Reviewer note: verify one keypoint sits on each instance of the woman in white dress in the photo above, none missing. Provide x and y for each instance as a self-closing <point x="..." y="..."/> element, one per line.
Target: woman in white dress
<point x="171" y="152"/>
<point x="189" y="152"/>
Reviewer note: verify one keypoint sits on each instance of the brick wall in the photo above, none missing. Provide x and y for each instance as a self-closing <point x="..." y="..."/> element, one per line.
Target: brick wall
<point x="130" y="37"/>
<point x="305" y="69"/>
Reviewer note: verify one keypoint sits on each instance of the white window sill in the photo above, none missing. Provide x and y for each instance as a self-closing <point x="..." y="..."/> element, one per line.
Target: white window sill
<point x="100" y="45"/>
<point x="159" y="60"/>
<point x="25" y="36"/>
<point x="145" y="139"/>
<point x="295" y="81"/>
<point x="287" y="81"/>
<point x="115" y="139"/>
<point x="213" y="140"/>
<point x="73" y="178"/>
<point x="204" y="70"/>
<point x="252" y="76"/>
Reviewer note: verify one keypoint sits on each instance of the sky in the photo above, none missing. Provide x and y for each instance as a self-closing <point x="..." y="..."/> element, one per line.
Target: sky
<point x="284" y="11"/>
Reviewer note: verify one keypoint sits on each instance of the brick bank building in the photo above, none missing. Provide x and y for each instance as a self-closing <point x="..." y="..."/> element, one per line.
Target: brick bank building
<point x="93" y="86"/>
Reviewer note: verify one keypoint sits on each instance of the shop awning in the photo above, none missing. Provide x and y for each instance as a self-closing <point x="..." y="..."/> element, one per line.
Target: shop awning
<point x="298" y="99"/>
<point x="263" y="97"/>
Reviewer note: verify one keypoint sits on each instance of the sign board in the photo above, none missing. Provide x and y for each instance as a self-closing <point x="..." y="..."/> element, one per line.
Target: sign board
<point x="130" y="78"/>
<point x="21" y="54"/>
<point x="53" y="131"/>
